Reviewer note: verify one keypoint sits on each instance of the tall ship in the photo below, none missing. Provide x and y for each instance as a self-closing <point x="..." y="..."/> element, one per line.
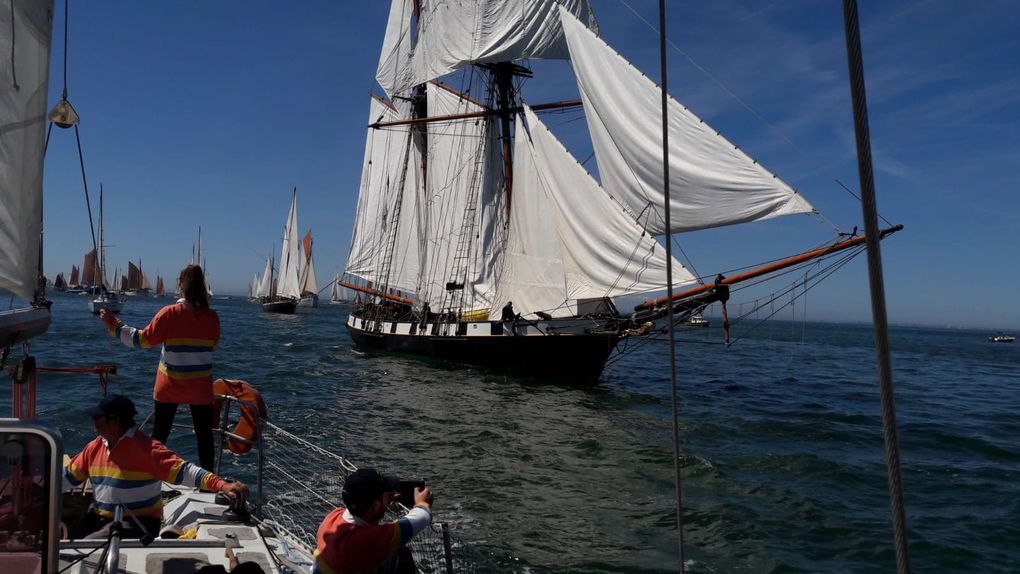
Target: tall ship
<point x="480" y="238"/>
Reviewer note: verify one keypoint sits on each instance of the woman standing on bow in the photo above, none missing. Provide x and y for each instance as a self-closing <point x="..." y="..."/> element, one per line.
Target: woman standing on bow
<point x="188" y="330"/>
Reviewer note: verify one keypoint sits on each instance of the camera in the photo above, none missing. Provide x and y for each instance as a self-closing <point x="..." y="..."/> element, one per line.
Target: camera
<point x="406" y="491"/>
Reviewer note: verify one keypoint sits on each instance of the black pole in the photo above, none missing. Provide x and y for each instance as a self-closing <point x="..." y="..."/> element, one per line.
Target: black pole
<point x="878" y="310"/>
<point x="669" y="291"/>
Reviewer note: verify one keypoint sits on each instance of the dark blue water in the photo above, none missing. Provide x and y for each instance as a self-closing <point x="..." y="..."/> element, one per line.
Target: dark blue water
<point x="783" y="463"/>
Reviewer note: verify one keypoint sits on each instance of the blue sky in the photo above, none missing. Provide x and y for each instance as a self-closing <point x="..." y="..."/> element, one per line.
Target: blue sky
<point x="209" y="113"/>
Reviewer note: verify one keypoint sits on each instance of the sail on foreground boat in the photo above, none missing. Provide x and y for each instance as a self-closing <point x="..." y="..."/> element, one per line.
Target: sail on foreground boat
<point x="23" y="82"/>
<point x="479" y="237"/>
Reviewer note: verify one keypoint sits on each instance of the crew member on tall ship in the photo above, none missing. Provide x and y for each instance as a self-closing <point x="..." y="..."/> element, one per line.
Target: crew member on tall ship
<point x="189" y="331"/>
<point x="352" y="539"/>
<point x="126" y="466"/>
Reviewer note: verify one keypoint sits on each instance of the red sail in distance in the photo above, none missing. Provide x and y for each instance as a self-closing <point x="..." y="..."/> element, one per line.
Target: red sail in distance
<point x="88" y="269"/>
<point x="74" y="275"/>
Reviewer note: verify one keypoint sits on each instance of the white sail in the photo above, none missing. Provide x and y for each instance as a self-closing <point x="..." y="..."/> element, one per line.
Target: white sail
<point x="306" y="268"/>
<point x="462" y="205"/>
<point x="533" y="278"/>
<point x="253" y="288"/>
<point x="568" y="239"/>
<point x="265" y="286"/>
<point x="334" y="292"/>
<point x="287" y="285"/>
<point x="712" y="182"/>
<point x="23" y="90"/>
<point x="453" y="34"/>
<point x="391" y="158"/>
<point x="394" y="70"/>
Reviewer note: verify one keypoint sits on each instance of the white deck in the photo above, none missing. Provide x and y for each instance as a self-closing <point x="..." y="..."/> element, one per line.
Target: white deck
<point x="194" y="510"/>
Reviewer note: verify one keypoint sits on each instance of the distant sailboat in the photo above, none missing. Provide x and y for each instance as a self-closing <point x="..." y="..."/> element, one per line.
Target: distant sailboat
<point x="198" y="259"/>
<point x="59" y="284"/>
<point x="160" y="287"/>
<point x="74" y="282"/>
<point x="337" y="294"/>
<point x="306" y="273"/>
<point x="263" y="290"/>
<point x="106" y="298"/>
<point x="287" y="291"/>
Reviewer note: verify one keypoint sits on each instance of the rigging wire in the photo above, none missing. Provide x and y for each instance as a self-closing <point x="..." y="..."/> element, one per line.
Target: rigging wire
<point x="675" y="400"/>
<point x="822" y="168"/>
<point x="869" y="209"/>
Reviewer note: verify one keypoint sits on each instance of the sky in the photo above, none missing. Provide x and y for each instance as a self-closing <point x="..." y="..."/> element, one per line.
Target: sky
<point x="207" y="114"/>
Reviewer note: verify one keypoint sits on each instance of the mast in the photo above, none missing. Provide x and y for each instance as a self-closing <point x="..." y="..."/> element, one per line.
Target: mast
<point x="869" y="207"/>
<point x="502" y="79"/>
<point x="102" y="244"/>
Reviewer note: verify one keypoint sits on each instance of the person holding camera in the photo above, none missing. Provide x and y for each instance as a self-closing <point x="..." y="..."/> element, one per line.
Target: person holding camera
<point x="353" y="538"/>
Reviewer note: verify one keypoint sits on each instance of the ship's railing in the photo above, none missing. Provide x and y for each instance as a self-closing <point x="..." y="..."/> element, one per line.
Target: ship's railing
<point x="302" y="495"/>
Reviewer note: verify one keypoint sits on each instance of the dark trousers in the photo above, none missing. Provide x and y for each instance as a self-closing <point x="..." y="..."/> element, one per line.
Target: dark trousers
<point x="92" y="525"/>
<point x="201" y="416"/>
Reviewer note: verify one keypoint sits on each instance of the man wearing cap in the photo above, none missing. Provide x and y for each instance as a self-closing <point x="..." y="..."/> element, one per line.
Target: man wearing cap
<point x="352" y="538"/>
<point x="126" y="466"/>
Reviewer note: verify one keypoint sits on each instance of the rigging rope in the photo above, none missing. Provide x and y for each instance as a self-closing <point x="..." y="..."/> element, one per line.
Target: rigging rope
<point x="869" y="208"/>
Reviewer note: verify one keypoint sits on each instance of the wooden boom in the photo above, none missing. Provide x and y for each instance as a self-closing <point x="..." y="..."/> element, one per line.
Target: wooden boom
<point x="766" y="269"/>
<point x="375" y="292"/>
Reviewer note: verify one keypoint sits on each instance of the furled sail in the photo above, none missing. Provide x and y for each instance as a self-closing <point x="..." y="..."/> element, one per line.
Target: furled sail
<point x="568" y="239"/>
<point x="462" y="204"/>
<point x="453" y="34"/>
<point x="23" y="79"/>
<point x="288" y="284"/>
<point x="390" y="195"/>
<point x="712" y="182"/>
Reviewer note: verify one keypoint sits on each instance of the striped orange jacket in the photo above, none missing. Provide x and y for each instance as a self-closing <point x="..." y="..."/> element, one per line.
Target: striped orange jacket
<point x="130" y="473"/>
<point x="188" y="337"/>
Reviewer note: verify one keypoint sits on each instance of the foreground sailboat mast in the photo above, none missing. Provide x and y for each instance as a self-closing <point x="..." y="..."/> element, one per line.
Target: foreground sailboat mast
<point x="855" y="62"/>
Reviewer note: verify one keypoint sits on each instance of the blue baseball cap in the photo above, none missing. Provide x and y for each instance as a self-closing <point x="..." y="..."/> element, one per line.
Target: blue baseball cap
<point x="113" y="405"/>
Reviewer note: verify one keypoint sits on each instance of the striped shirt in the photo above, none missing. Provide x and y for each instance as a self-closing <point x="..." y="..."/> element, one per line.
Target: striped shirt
<point x="188" y="337"/>
<point x="130" y="473"/>
<point x="346" y="544"/>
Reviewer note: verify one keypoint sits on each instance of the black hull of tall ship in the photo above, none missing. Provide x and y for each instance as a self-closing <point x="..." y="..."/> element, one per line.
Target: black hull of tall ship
<point x="524" y="349"/>
<point x="286" y="306"/>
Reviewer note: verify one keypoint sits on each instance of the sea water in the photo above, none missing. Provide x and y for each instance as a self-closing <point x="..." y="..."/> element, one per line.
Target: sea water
<point x="782" y="454"/>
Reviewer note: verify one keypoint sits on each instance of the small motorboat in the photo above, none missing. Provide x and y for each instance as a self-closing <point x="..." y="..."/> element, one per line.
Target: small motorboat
<point x="1002" y="338"/>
